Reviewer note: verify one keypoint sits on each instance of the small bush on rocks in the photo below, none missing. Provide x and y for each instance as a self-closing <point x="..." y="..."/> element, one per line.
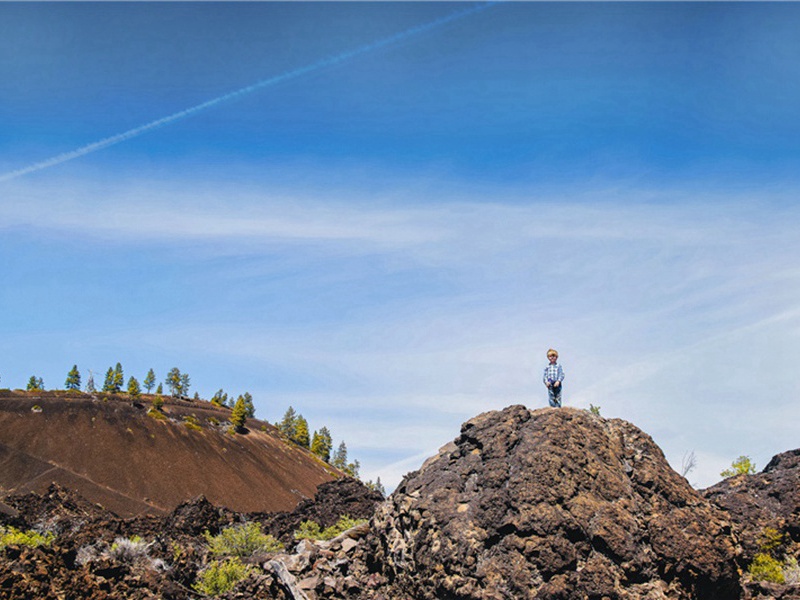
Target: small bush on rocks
<point x="311" y="530"/>
<point x="766" y="568"/>
<point x="221" y="576"/>
<point x="11" y="536"/>
<point x="244" y="540"/>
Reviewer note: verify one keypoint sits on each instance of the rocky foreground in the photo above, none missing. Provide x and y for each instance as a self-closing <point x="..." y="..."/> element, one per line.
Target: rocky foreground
<point x="551" y="504"/>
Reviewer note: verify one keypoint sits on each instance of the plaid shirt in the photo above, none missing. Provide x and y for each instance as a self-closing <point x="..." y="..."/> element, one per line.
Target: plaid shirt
<point x="553" y="373"/>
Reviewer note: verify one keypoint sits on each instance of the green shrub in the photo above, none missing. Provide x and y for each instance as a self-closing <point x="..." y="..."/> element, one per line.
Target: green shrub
<point x="221" y="576"/>
<point x="158" y="403"/>
<point x="771" y="540"/>
<point x="245" y="539"/>
<point x="11" y="536"/>
<point x="191" y="422"/>
<point x="158" y="416"/>
<point x="310" y="530"/>
<point x="595" y="410"/>
<point x="766" y="568"/>
<point x="741" y="466"/>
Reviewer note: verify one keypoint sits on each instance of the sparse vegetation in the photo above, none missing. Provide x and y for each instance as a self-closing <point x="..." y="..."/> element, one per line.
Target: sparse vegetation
<point x="157" y="403"/>
<point x="134" y="391"/>
<point x="114" y="379"/>
<point x="688" y="463"/>
<point x="133" y="551"/>
<point x="238" y="415"/>
<point x="288" y="424"/>
<point x="301" y="436"/>
<point x="769" y="564"/>
<point x="322" y="444"/>
<point x="35" y="384"/>
<point x="177" y="382"/>
<point x="340" y="461"/>
<point x="741" y="466"/>
<point x="595" y="410"/>
<point x="766" y="568"/>
<point x="128" y="549"/>
<point x="311" y="530"/>
<point x="191" y="422"/>
<point x="149" y="380"/>
<point x="73" y="381"/>
<point x="156" y="414"/>
<point x="11" y="536"/>
<point x="243" y="540"/>
<point x="221" y="576"/>
<point x="220" y="398"/>
<point x="377" y="486"/>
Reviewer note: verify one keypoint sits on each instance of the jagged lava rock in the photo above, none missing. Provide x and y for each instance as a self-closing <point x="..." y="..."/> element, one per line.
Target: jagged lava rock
<point x="767" y="499"/>
<point x="770" y="499"/>
<point x="552" y="503"/>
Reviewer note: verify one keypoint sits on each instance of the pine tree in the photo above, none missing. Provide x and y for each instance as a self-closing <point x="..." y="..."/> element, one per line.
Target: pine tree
<point x="220" y="398"/>
<point x="248" y="404"/>
<point x="133" y="388"/>
<point x="119" y="378"/>
<point x="352" y="468"/>
<point x="340" y="457"/>
<point x="173" y="381"/>
<point x="149" y="381"/>
<point x="288" y="424"/>
<point x="160" y="390"/>
<point x="185" y="384"/>
<point x="377" y="486"/>
<point x="73" y="381"/>
<point x="301" y="432"/>
<point x="239" y="415"/>
<point x="35" y="384"/>
<point x="108" y="384"/>
<point x="322" y="444"/>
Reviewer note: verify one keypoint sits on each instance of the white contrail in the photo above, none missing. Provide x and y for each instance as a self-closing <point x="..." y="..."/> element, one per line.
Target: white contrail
<point x="320" y="64"/>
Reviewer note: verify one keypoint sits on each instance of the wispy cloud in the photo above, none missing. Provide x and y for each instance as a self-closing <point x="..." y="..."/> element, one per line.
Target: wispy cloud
<point x="659" y="308"/>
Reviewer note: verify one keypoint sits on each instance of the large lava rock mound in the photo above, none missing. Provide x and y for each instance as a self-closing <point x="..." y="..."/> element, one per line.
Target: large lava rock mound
<point x="552" y="504"/>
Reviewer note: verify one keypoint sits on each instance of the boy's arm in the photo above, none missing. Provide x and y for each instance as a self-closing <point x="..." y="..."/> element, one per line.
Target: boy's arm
<point x="560" y="374"/>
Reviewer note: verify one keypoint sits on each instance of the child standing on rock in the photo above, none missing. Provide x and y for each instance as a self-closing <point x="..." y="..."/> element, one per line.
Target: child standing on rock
<point x="553" y="376"/>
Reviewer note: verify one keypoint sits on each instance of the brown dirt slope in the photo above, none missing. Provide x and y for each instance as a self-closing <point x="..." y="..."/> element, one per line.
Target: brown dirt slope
<point x="114" y="454"/>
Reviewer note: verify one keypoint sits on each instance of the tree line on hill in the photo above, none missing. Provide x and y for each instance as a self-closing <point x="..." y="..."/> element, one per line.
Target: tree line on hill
<point x="178" y="384"/>
<point x="293" y="425"/>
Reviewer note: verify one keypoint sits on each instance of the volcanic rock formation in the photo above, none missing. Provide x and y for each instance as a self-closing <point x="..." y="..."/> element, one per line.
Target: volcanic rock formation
<point x="552" y="504"/>
<point x="543" y="504"/>
<point x="770" y="499"/>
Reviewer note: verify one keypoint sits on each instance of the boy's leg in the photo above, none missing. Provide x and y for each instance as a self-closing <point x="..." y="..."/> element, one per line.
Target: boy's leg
<point x="554" y="396"/>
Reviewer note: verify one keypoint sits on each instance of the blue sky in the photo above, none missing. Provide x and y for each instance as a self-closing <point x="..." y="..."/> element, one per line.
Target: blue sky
<point x="391" y="243"/>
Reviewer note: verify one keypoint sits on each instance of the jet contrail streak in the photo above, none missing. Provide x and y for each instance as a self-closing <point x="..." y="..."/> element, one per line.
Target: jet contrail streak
<point x="293" y="74"/>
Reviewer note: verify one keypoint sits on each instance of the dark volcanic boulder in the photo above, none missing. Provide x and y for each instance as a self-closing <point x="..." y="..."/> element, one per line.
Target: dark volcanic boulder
<point x="770" y="499"/>
<point x="552" y="504"/>
<point x="767" y="499"/>
<point x="334" y="499"/>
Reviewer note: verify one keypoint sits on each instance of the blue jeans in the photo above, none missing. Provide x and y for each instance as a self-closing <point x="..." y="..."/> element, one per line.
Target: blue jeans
<point x="554" y="396"/>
